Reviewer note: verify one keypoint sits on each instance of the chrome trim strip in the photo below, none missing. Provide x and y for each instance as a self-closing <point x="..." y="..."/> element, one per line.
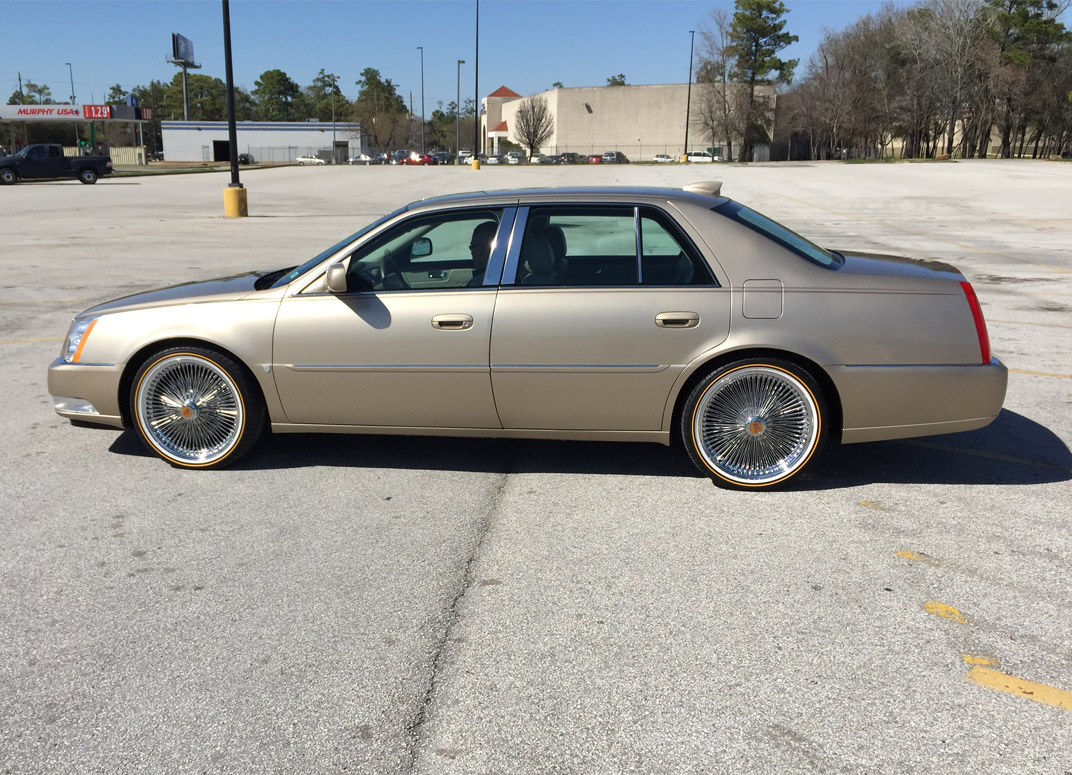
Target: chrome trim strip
<point x="639" y="368"/>
<point x="513" y="253"/>
<point x="387" y="367"/>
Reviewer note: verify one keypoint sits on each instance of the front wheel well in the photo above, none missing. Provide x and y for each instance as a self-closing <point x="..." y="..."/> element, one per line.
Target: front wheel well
<point x="833" y="400"/>
<point x="135" y="362"/>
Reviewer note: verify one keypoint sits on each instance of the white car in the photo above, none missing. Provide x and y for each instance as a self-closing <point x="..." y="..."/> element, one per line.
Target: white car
<point x="699" y="156"/>
<point x="515" y="157"/>
<point x="664" y="158"/>
<point x="303" y="160"/>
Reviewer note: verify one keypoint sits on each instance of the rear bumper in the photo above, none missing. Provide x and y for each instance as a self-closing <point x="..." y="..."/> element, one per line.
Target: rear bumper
<point x="898" y="402"/>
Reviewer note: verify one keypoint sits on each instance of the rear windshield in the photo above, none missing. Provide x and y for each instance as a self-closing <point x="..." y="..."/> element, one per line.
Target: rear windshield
<point x="773" y="230"/>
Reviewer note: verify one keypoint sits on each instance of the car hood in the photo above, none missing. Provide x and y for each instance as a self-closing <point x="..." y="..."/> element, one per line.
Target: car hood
<point x="221" y="289"/>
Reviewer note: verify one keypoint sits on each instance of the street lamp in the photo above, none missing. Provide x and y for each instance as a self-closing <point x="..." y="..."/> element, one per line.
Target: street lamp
<point x="333" y="87"/>
<point x="688" y="98"/>
<point x="71" y="71"/>
<point x="421" y="49"/>
<point x="458" y="117"/>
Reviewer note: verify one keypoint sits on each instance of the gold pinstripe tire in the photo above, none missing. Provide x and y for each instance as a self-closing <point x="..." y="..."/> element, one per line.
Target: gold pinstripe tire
<point x="196" y="408"/>
<point x="754" y="424"/>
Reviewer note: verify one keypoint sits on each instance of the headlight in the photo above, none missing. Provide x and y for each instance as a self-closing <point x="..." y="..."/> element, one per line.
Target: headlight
<point x="76" y="338"/>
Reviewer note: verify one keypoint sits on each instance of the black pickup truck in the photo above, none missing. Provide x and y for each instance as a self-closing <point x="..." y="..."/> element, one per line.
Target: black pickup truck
<point x="48" y="161"/>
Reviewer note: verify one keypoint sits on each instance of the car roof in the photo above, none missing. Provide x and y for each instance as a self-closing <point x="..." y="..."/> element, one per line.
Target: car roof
<point x="707" y="193"/>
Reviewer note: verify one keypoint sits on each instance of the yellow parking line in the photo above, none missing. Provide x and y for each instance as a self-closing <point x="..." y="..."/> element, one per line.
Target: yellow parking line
<point x="988" y="455"/>
<point x="1040" y="373"/>
<point x="886" y="225"/>
<point x="1026" y="323"/>
<point x="944" y="611"/>
<point x="1021" y="687"/>
<point x="28" y="341"/>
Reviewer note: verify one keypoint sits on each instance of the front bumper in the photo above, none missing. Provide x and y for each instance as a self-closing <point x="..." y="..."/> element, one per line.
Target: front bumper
<point x="89" y="393"/>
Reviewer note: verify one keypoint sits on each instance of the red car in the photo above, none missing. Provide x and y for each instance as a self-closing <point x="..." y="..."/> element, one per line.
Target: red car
<point x="595" y="158"/>
<point x="421" y="159"/>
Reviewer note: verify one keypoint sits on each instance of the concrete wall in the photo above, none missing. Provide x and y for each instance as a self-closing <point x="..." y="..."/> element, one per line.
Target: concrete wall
<point x="640" y="121"/>
<point x="267" y="141"/>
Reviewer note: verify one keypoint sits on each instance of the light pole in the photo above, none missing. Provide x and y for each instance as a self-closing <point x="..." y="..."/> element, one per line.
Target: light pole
<point x="71" y="71"/>
<point x="688" y="98"/>
<point x="458" y="117"/>
<point x="421" y="49"/>
<point x="333" y="152"/>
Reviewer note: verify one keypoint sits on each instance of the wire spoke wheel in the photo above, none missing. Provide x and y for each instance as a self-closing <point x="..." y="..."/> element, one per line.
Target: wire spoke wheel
<point x="754" y="424"/>
<point x="189" y="409"/>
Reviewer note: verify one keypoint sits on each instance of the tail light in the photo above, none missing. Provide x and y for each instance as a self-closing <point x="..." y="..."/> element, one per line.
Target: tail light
<point x="980" y="324"/>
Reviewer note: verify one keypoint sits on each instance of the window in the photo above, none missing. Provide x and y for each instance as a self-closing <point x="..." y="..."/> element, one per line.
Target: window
<point x="775" y="231"/>
<point x="666" y="256"/>
<point x="432" y="252"/>
<point x="599" y="246"/>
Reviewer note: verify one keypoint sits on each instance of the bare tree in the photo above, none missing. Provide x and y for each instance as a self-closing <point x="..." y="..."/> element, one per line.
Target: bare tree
<point x="717" y="111"/>
<point x="535" y="125"/>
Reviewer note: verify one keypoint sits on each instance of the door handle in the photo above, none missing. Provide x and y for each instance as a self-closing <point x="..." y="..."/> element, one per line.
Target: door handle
<point x="452" y="322"/>
<point x="677" y="320"/>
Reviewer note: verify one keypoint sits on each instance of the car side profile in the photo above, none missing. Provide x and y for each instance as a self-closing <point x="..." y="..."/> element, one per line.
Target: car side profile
<point x="313" y="160"/>
<point x="629" y="314"/>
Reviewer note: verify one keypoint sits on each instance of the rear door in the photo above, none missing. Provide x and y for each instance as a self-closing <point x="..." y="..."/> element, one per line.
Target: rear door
<point x="601" y="308"/>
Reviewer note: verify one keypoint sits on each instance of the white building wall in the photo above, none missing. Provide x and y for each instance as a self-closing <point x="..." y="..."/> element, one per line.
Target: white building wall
<point x="640" y="121"/>
<point x="267" y="141"/>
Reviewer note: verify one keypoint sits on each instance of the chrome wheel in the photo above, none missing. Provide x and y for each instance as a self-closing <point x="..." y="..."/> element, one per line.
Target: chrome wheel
<point x="189" y="409"/>
<point x="755" y="424"/>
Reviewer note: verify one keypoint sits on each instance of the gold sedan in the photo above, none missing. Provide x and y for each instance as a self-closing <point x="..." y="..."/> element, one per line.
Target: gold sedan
<point x="590" y="314"/>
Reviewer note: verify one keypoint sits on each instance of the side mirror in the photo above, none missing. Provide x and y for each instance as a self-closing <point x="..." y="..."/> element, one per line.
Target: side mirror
<point x="336" y="279"/>
<point x="421" y="248"/>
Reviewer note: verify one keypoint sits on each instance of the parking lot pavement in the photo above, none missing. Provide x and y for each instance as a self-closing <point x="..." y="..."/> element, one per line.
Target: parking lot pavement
<point x="395" y="605"/>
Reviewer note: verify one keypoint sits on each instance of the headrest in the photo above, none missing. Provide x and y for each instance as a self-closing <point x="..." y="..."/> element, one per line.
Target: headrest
<point x="557" y="240"/>
<point x="536" y="254"/>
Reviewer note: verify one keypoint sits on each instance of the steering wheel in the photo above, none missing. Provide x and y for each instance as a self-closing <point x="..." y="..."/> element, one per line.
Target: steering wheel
<point x="393" y="278"/>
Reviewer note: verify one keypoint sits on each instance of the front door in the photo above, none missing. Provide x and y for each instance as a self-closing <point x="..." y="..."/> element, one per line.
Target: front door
<point x="407" y="345"/>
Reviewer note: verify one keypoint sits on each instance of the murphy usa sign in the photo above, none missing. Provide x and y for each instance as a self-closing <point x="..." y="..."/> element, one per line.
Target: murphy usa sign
<point x="74" y="113"/>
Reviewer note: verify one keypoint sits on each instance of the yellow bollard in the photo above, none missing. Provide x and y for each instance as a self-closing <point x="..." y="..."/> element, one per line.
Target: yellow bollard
<point x="234" y="202"/>
<point x="685" y="158"/>
<point x="476" y="163"/>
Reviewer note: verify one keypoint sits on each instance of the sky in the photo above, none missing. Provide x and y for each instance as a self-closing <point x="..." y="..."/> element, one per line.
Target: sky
<point x="526" y="45"/>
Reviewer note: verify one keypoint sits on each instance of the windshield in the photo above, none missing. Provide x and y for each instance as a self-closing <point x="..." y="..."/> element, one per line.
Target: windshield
<point x="22" y="154"/>
<point x="785" y="237"/>
<point x="297" y="272"/>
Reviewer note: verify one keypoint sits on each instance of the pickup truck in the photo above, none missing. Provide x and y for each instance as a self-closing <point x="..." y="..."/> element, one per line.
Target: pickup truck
<point x="48" y="161"/>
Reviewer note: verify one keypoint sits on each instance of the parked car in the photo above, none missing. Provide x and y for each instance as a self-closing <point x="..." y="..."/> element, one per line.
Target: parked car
<point x="595" y="158"/>
<point x="47" y="160"/>
<point x="494" y="159"/>
<point x="699" y="156"/>
<point x="615" y="157"/>
<point x="663" y="158"/>
<point x="397" y="157"/>
<point x="314" y="160"/>
<point x="568" y="157"/>
<point x="246" y="158"/>
<point x="419" y="160"/>
<point x="515" y="157"/>
<point x="444" y="157"/>
<point x="465" y="157"/>
<point x="367" y="159"/>
<point x="756" y="359"/>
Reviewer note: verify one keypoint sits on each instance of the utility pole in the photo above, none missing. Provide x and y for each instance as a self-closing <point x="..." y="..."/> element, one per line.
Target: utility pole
<point x="71" y="71"/>
<point x="458" y="117"/>
<point x="234" y="196"/>
<point x="333" y="152"/>
<point x="476" y="93"/>
<point x="421" y="49"/>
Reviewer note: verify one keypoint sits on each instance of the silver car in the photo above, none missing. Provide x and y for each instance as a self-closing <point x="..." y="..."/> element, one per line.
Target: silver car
<point x="631" y="314"/>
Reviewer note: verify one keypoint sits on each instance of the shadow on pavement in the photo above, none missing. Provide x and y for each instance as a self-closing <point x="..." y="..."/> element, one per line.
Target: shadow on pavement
<point x="1013" y="450"/>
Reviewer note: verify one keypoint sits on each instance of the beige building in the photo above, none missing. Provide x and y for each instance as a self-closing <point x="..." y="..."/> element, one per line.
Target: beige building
<point x="639" y="121"/>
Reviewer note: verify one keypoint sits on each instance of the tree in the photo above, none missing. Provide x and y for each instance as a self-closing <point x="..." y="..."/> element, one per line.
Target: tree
<point x="756" y="36"/>
<point x="31" y="94"/>
<point x="322" y="94"/>
<point x="380" y="108"/>
<point x="617" y="80"/>
<point x="535" y="125"/>
<point x="718" y="109"/>
<point x="278" y="97"/>
<point x="117" y="95"/>
<point x="556" y="85"/>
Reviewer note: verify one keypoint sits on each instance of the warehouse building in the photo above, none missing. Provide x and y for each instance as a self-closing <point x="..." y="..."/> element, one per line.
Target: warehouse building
<point x="265" y="141"/>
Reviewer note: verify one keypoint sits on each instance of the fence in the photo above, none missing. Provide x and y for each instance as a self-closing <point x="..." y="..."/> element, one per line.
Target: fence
<point x="121" y="157"/>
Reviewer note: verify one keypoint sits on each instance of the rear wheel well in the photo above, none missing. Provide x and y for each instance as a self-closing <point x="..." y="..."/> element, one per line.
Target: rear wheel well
<point x="142" y="355"/>
<point x="833" y="400"/>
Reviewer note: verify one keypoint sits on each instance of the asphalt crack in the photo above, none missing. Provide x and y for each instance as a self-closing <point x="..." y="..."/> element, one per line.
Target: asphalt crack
<point x="414" y="730"/>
